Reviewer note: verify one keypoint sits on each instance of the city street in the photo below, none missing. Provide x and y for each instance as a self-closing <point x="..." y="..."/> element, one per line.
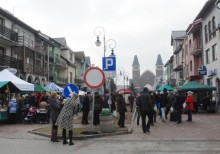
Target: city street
<point x="200" y="136"/>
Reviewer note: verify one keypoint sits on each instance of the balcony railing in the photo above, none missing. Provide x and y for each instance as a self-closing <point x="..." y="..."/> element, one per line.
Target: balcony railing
<point x="60" y="62"/>
<point x="78" y="81"/>
<point x="8" y="33"/>
<point x="197" y="47"/>
<point x="8" y="61"/>
<point x="28" y="68"/>
<point x="26" y="42"/>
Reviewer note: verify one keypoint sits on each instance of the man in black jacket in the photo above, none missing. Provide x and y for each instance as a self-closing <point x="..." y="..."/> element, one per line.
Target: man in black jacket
<point x="86" y="108"/>
<point x="146" y="109"/>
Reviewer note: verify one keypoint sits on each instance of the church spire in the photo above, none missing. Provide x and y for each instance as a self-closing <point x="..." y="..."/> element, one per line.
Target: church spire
<point x="159" y="60"/>
<point x="135" y="62"/>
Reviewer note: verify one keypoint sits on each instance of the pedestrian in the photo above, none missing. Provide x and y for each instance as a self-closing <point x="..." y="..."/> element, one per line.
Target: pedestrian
<point x="55" y="108"/>
<point x="131" y="102"/>
<point x="195" y="101"/>
<point x="138" y="108"/>
<point x="98" y="102"/>
<point x="163" y="105"/>
<point x="170" y="102"/>
<point x="86" y="108"/>
<point x="146" y="109"/>
<point x="106" y="99"/>
<point x="178" y="105"/>
<point x="154" y="114"/>
<point x="189" y="102"/>
<point x="121" y="107"/>
<point x="65" y="119"/>
<point x="13" y="106"/>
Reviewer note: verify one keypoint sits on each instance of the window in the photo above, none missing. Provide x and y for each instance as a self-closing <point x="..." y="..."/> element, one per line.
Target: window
<point x="28" y="60"/>
<point x="190" y="66"/>
<point x="210" y="30"/>
<point x="213" y="27"/>
<point x="1" y="21"/>
<point x="206" y="34"/>
<point x="207" y="52"/>
<point x="214" y="52"/>
<point x="70" y="56"/>
<point x="71" y="77"/>
<point x="2" y="51"/>
<point x="209" y="82"/>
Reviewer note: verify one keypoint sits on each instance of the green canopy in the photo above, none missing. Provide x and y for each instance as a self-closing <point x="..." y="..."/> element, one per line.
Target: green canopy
<point x="4" y="85"/>
<point x="195" y="86"/>
<point x="47" y="89"/>
<point x="168" y="87"/>
<point x="38" y="88"/>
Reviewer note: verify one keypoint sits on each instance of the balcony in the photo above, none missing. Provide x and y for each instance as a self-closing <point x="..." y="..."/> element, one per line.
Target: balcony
<point x="78" y="81"/>
<point x="8" y="33"/>
<point x="28" y="68"/>
<point x="197" y="47"/>
<point x="8" y="61"/>
<point x="26" y="42"/>
<point x="60" y="62"/>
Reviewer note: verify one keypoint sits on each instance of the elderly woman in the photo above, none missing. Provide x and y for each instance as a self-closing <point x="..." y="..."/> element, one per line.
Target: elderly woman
<point x="189" y="102"/>
<point x="65" y="119"/>
<point x="55" y="108"/>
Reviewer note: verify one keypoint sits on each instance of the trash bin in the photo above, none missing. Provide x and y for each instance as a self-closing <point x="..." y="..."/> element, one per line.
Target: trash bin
<point x="106" y="121"/>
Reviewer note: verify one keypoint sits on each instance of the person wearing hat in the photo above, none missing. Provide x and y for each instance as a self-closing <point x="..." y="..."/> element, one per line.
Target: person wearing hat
<point x="189" y="102"/>
<point x="98" y="102"/>
<point x="65" y="119"/>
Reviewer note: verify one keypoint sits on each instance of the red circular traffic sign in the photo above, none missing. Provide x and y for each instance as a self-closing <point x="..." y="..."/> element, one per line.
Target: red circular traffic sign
<point x="94" y="77"/>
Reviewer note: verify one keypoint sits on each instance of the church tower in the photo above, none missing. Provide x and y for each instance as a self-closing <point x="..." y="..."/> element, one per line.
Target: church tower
<point x="159" y="66"/>
<point x="136" y="73"/>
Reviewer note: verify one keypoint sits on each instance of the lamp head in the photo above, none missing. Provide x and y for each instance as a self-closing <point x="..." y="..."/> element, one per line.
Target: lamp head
<point x="98" y="42"/>
<point x="217" y="4"/>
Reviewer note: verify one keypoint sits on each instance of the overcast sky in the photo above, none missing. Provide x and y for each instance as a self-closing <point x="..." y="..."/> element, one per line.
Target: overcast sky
<point x="140" y="27"/>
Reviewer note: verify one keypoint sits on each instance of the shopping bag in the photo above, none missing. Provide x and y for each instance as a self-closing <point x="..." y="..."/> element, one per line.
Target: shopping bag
<point x="115" y="113"/>
<point x="171" y="109"/>
<point x="155" y="108"/>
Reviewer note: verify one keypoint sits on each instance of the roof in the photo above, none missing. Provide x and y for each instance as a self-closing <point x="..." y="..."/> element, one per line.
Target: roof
<point x="159" y="60"/>
<point x="165" y="86"/>
<point x="79" y="55"/>
<point x="61" y="40"/>
<point x="177" y="35"/>
<point x="210" y="4"/>
<point x="135" y="62"/>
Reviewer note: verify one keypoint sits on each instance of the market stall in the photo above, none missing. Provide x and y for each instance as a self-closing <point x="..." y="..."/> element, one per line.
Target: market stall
<point x="204" y="94"/>
<point x="165" y="86"/>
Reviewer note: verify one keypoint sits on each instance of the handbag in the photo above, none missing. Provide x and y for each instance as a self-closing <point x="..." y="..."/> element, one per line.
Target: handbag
<point x="115" y="113"/>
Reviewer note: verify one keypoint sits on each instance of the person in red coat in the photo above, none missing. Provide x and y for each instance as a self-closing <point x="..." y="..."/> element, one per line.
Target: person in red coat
<point x="189" y="102"/>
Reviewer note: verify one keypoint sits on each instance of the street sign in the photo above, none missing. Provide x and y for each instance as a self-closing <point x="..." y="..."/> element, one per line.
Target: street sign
<point x="94" y="77"/>
<point x="109" y="63"/>
<point x="70" y="89"/>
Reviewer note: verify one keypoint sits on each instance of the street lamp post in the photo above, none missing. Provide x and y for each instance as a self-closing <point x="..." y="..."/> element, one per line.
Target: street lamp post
<point x="122" y="73"/>
<point x="112" y="44"/>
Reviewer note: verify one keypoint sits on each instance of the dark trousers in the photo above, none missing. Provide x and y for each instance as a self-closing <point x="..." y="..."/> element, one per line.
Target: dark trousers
<point x="195" y="104"/>
<point x="143" y="117"/>
<point x="96" y="120"/>
<point x="121" y="121"/>
<point x="85" y="117"/>
<point x="167" y="111"/>
<point x="12" y="118"/>
<point x="189" y="112"/>
<point x="154" y="116"/>
<point x="179" y="116"/>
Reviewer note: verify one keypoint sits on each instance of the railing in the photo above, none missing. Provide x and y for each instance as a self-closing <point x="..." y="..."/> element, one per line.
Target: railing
<point x="9" y="33"/>
<point x="39" y="70"/>
<point x="197" y="47"/>
<point x="60" y="62"/>
<point x="26" y="42"/>
<point x="10" y="61"/>
<point x="28" y="68"/>
<point x="79" y="81"/>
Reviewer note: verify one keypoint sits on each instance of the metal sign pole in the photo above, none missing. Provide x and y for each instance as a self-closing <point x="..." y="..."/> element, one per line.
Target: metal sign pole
<point x="93" y="103"/>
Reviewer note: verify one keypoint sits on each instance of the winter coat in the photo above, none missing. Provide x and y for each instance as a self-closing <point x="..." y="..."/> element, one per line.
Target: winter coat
<point x="180" y="99"/>
<point x="171" y="99"/>
<point x="13" y="106"/>
<point x="121" y="106"/>
<point x="65" y="119"/>
<point x="189" y="101"/>
<point x="86" y="104"/>
<point x="98" y="103"/>
<point x="55" y="108"/>
<point x="146" y="104"/>
<point x="163" y="100"/>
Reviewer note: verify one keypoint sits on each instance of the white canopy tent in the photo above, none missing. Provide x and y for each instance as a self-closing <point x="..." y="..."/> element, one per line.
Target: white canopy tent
<point x="53" y="86"/>
<point x="5" y="75"/>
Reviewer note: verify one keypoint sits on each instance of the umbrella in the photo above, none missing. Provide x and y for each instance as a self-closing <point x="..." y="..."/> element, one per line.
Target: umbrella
<point x="168" y="87"/>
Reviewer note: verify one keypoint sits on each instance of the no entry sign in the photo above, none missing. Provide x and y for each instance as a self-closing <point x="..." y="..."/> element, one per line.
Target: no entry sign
<point x="94" y="77"/>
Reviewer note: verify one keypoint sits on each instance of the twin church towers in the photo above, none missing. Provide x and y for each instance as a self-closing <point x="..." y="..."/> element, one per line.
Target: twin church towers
<point x="147" y="78"/>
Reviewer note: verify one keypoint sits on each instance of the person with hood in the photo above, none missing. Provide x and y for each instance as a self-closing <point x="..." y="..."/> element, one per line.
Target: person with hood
<point x="189" y="102"/>
<point x="65" y="119"/>
<point x="86" y="108"/>
<point x="146" y="109"/>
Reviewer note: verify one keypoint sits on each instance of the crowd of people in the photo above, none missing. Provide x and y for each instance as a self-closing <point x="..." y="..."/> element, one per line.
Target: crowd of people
<point x="151" y="104"/>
